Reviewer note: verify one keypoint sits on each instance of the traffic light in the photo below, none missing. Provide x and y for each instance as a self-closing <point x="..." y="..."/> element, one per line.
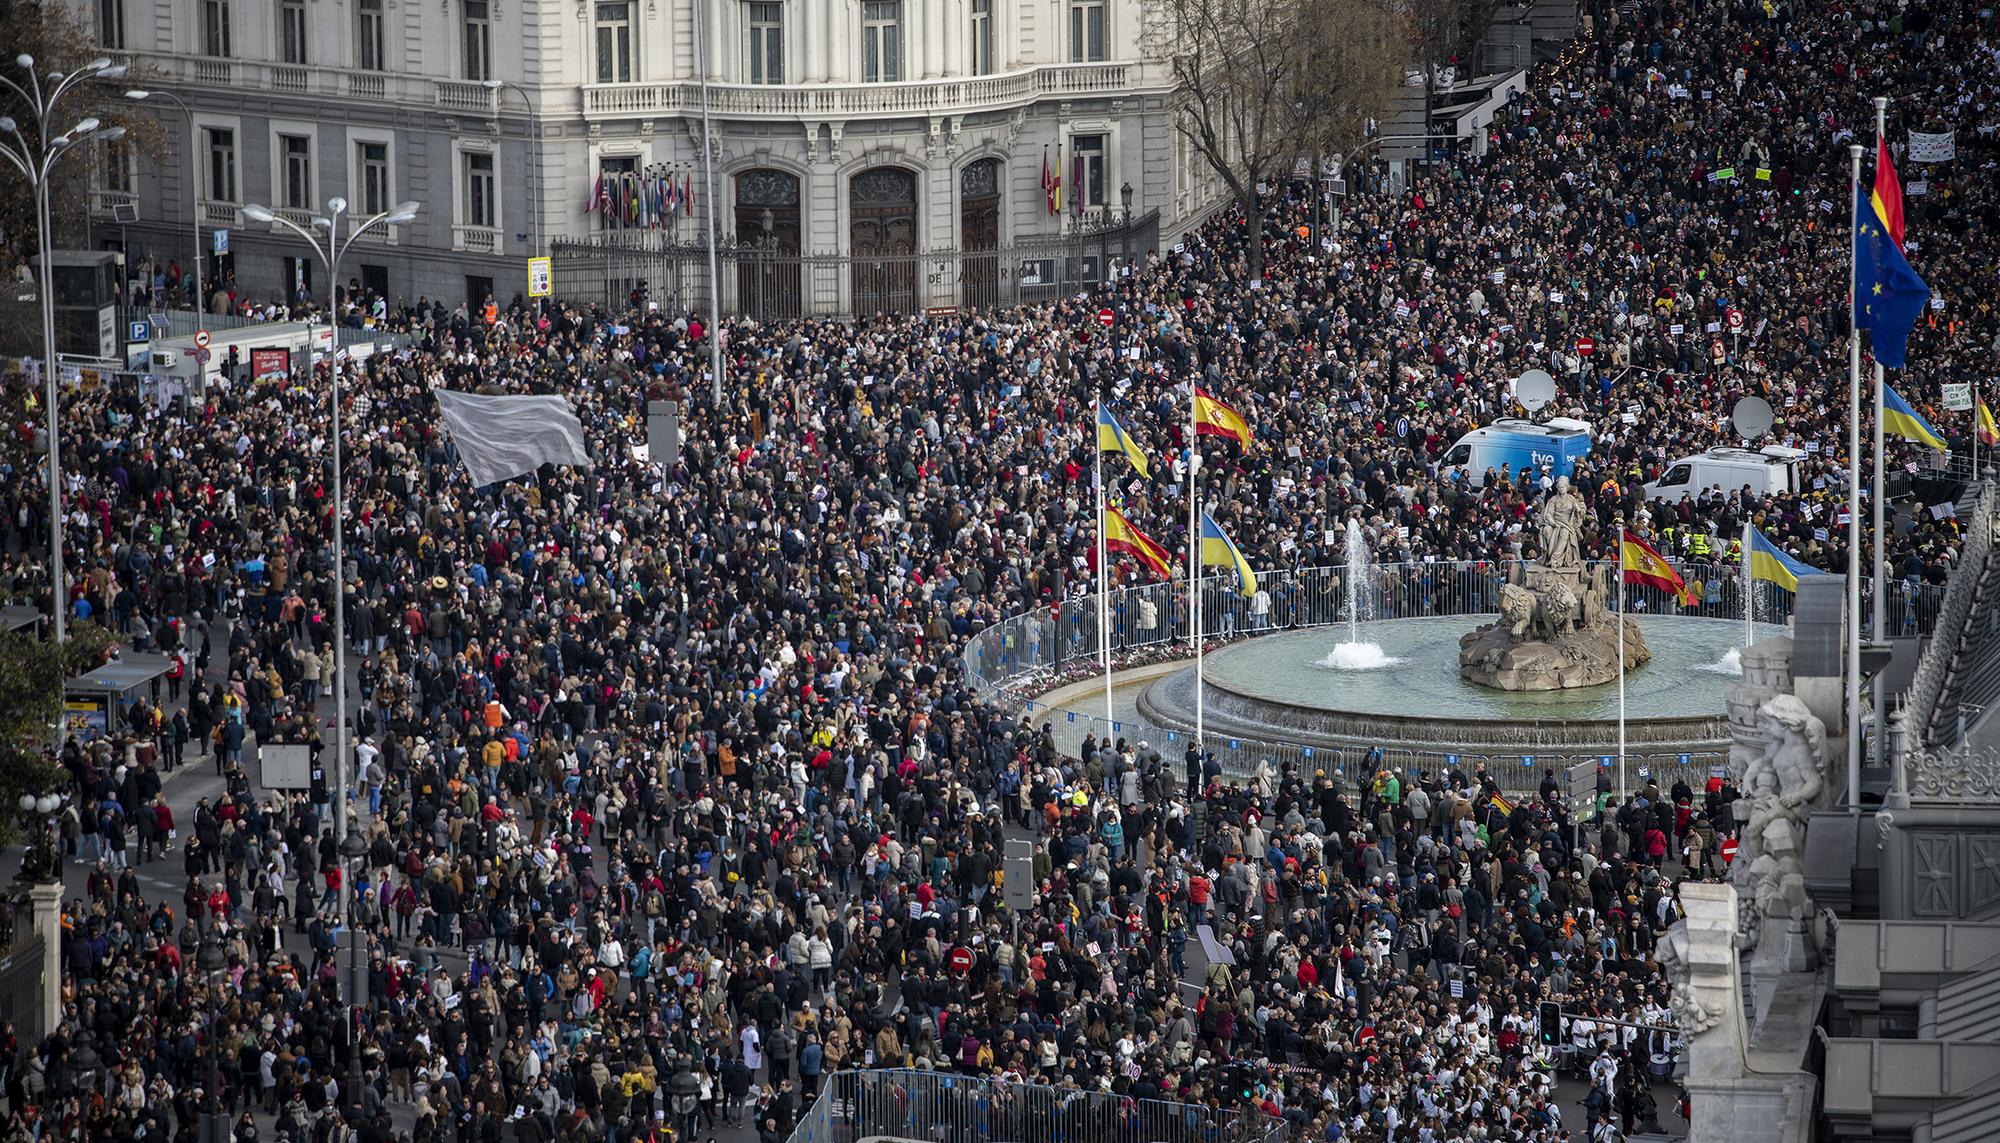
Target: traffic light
<point x="1550" y="1031"/>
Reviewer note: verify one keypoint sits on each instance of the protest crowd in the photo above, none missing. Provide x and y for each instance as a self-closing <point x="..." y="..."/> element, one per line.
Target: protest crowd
<point x="674" y="795"/>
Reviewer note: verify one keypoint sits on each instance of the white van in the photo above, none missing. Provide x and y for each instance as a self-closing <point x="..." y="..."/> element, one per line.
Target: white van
<point x="1771" y="469"/>
<point x="1521" y="446"/>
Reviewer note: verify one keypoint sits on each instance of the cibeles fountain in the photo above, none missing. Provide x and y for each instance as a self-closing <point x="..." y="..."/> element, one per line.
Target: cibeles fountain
<point x="1555" y="631"/>
<point x="1413" y="656"/>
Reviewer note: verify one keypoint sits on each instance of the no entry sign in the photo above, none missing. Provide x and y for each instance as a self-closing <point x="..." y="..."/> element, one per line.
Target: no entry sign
<point x="1585" y="346"/>
<point x="961" y="957"/>
<point x="1105" y="317"/>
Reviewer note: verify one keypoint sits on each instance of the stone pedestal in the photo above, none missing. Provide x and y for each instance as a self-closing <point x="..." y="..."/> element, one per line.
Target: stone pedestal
<point x="1492" y="657"/>
<point x="45" y="906"/>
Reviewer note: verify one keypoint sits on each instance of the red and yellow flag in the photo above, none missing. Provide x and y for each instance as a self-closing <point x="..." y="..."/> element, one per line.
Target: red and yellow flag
<point x="1121" y="536"/>
<point x="1887" y="195"/>
<point x="1989" y="434"/>
<point x="1213" y="418"/>
<point x="1644" y="565"/>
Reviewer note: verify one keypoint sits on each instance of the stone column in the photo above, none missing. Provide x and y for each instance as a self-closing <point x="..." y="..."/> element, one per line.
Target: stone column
<point x="45" y="907"/>
<point x="1713" y="986"/>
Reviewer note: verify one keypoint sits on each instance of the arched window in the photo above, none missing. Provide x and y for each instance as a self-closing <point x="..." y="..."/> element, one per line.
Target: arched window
<point x="769" y="239"/>
<point x="979" y="232"/>
<point x="882" y="233"/>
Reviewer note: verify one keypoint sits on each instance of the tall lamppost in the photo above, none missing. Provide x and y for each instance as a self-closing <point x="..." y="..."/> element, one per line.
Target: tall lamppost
<point x="496" y="86"/>
<point x="194" y="197"/>
<point x="36" y="158"/>
<point x="325" y="240"/>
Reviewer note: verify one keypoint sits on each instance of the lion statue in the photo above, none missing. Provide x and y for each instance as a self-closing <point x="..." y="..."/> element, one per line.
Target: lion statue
<point x="1548" y="616"/>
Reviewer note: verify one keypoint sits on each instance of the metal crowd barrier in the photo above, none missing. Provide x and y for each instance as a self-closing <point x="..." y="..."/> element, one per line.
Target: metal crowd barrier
<point x="936" y="1107"/>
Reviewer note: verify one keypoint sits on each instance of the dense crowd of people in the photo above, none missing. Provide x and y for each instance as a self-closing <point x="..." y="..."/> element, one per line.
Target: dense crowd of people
<point x="672" y="794"/>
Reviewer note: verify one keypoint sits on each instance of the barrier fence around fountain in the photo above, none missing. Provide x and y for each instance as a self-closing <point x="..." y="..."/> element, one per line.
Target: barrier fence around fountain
<point x="1019" y="659"/>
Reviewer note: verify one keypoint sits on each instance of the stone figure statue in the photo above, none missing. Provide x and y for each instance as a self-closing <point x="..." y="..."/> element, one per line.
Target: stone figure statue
<point x="1559" y="523"/>
<point x="1780" y="788"/>
<point x="1554" y="630"/>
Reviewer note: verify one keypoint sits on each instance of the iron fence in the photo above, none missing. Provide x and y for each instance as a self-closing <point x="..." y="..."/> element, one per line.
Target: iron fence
<point x="935" y="1107"/>
<point x="769" y="282"/>
<point x="169" y="323"/>
<point x="1020" y="659"/>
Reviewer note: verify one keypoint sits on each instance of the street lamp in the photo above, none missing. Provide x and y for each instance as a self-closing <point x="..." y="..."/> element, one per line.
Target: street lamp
<point x="36" y="160"/>
<point x="194" y="196"/>
<point x="534" y="154"/>
<point x="42" y="861"/>
<point x="330" y="252"/>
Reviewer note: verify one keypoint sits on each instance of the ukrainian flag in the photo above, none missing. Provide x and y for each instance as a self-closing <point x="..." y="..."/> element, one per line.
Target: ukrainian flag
<point x="1769" y="563"/>
<point x="1900" y="420"/>
<point x="1218" y="550"/>
<point x="1112" y="437"/>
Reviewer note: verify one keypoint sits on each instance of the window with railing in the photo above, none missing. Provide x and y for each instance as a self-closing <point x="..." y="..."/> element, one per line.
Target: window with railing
<point x="292" y="32"/>
<point x="477" y="34"/>
<point x="881" y="41"/>
<point x="120" y="168"/>
<point x="478" y="208"/>
<point x="221" y="164"/>
<point x="614" y="42"/>
<point x="215" y="29"/>
<point x="1089" y="165"/>
<point x="372" y="186"/>
<point x="1087" y="22"/>
<point x="111" y="23"/>
<point x="982" y="37"/>
<point x="767" y="42"/>
<point x="296" y="153"/>
<point x="368" y="35"/>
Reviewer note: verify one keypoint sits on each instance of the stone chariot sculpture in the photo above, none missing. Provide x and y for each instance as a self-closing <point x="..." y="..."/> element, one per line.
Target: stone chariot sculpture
<point x="1555" y="628"/>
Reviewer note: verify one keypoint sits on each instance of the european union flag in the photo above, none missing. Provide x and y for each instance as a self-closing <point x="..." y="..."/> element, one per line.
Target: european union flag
<point x="1890" y="293"/>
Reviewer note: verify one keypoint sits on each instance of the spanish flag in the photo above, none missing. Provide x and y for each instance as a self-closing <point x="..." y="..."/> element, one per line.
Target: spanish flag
<point x="1121" y="536"/>
<point x="1218" y="550"/>
<point x="1498" y="802"/>
<point x="1887" y="194"/>
<point x="1213" y="418"/>
<point x="1988" y="433"/>
<point x="1644" y="565"/>
<point x="1112" y="437"/>
<point x="1900" y="420"/>
<point x="1770" y="563"/>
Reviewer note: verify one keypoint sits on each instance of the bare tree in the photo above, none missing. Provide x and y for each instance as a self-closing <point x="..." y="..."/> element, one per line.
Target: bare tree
<point x="59" y="40"/>
<point x="1264" y="83"/>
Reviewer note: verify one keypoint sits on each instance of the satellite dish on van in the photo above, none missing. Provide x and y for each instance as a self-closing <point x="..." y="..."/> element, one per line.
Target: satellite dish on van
<point x="1752" y="417"/>
<point x="1534" y="390"/>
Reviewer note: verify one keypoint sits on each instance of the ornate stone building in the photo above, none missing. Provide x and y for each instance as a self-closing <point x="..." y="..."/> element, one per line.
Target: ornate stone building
<point x="840" y="127"/>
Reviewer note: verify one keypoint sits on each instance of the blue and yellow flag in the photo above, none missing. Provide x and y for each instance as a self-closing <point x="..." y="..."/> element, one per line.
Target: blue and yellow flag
<point x="1218" y="550"/>
<point x="1890" y="296"/>
<point x="1112" y="437"/>
<point x="1900" y="420"/>
<point x="1769" y="562"/>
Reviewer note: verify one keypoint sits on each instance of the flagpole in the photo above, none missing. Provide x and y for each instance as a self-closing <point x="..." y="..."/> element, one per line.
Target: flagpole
<point x="1618" y="587"/>
<point x="1881" y="609"/>
<point x="1103" y="576"/>
<point x="1749" y="586"/>
<point x="1194" y="558"/>
<point x="1854" y="496"/>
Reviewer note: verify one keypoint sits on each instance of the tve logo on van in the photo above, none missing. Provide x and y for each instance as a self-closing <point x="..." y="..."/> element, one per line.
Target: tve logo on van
<point x="1548" y="458"/>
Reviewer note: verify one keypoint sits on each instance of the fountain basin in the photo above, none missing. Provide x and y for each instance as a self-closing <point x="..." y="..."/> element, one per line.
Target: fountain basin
<point x="1277" y="688"/>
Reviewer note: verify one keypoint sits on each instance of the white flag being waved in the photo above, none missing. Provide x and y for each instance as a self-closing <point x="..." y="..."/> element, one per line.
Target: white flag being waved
<point x="500" y="437"/>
